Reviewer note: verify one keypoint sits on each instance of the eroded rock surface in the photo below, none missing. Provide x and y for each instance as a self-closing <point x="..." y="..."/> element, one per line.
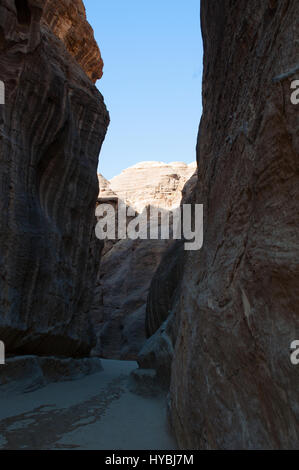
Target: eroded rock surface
<point x="233" y="385"/>
<point x="51" y="130"/>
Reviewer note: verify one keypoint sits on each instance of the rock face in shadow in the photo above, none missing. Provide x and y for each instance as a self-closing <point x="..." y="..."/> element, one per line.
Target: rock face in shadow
<point x="125" y="276"/>
<point x="164" y="285"/>
<point x="166" y="280"/>
<point x="233" y="385"/>
<point x="157" y="352"/>
<point x="51" y="131"/>
<point x="161" y="321"/>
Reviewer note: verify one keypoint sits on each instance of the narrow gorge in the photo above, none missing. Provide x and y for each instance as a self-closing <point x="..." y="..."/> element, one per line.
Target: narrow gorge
<point x="139" y="343"/>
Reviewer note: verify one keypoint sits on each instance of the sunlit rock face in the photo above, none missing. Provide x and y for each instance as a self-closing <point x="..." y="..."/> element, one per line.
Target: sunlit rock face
<point x="105" y="189"/>
<point x="67" y="20"/>
<point x="52" y="128"/>
<point x="153" y="183"/>
<point x="233" y="384"/>
<point x="128" y="266"/>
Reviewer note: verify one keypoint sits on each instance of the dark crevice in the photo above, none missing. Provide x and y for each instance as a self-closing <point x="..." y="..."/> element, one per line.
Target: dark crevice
<point x="23" y="12"/>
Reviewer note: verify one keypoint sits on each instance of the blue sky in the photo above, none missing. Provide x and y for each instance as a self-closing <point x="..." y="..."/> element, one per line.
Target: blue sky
<point x="152" y="51"/>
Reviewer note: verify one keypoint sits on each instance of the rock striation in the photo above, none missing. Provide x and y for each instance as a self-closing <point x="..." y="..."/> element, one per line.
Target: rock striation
<point x="232" y="382"/>
<point x="51" y="131"/>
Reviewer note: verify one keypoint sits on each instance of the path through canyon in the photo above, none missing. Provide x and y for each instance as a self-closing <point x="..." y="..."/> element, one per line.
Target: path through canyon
<point x="95" y="412"/>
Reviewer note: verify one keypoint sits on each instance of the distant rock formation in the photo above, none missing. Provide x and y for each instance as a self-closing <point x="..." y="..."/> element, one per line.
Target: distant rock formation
<point x="128" y="266"/>
<point x="152" y="183"/>
<point x="51" y="131"/>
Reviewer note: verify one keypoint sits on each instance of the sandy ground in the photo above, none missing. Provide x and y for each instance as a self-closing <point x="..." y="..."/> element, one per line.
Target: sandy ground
<point x="98" y="412"/>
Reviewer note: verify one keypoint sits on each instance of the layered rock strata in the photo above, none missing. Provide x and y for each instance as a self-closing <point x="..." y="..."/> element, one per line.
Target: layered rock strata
<point x="152" y="183"/>
<point x="51" y="131"/>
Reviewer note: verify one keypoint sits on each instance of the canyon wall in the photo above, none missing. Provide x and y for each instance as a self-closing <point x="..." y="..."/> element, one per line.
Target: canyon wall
<point x="51" y="130"/>
<point x="233" y="385"/>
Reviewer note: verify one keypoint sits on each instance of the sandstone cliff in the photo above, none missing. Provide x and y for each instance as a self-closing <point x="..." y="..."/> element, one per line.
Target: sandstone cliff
<point x="233" y="385"/>
<point x="153" y="183"/>
<point x="51" y="130"/>
<point x="128" y="266"/>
